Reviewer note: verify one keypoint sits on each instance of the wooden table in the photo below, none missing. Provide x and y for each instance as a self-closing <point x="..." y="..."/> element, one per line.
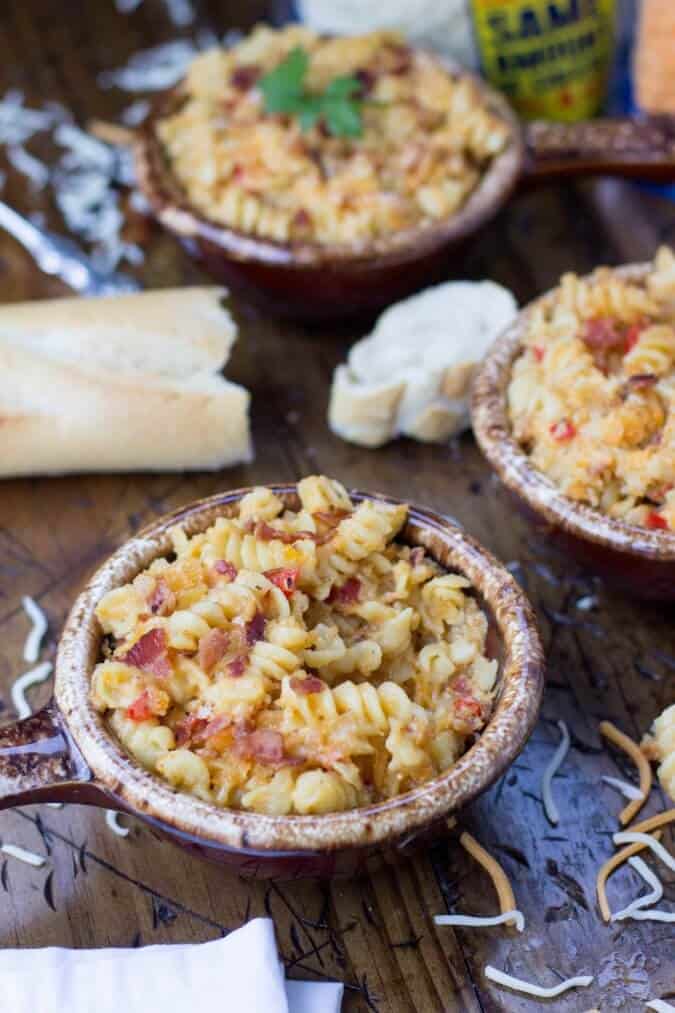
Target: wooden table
<point x="375" y="933"/>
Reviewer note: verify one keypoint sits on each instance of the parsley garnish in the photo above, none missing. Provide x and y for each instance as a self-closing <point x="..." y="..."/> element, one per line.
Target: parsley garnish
<point x="339" y="106"/>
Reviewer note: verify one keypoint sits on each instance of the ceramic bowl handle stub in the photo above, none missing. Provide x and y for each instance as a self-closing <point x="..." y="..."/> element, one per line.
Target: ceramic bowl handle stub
<point x="642" y="148"/>
<point x="38" y="763"/>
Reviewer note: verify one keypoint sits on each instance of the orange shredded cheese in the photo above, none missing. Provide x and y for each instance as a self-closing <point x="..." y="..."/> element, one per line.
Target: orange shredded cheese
<point x="507" y="900"/>
<point x="654" y="822"/>
<point x="608" y="868"/>
<point x="631" y="748"/>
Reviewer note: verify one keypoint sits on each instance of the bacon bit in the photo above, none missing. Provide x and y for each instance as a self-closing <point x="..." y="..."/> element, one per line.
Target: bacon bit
<point x="149" y="653"/>
<point x="563" y="430"/>
<point x="633" y="336"/>
<point x="162" y="601"/>
<point x="225" y="569"/>
<point x="538" y="352"/>
<point x="366" y="79"/>
<point x="302" y="219"/>
<point x="147" y="705"/>
<point x="469" y="705"/>
<point x="217" y="725"/>
<point x="347" y="593"/>
<point x="264" y="744"/>
<point x="284" y="577"/>
<point x="601" y="333"/>
<point x="237" y="666"/>
<point x="212" y="647"/>
<point x="402" y="59"/>
<point x="656" y="521"/>
<point x="266" y="533"/>
<point x="308" y="684"/>
<point x="640" y="380"/>
<point x="331" y="517"/>
<point x="417" y="555"/>
<point x="255" y="629"/>
<point x="190" y="728"/>
<point x="245" y="77"/>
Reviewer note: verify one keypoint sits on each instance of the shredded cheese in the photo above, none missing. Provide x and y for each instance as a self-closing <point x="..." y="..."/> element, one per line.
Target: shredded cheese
<point x="54" y="805"/>
<point x="550" y="808"/>
<point x="631" y="837"/>
<point x="654" y="897"/>
<point x="24" y="682"/>
<point x="501" y="978"/>
<point x="628" y="790"/>
<point x="476" y="921"/>
<point x="631" y="748"/>
<point x="112" y="820"/>
<point x="608" y="868"/>
<point x="660" y="820"/>
<point x="28" y="857"/>
<point x="31" y="649"/>
<point x="661" y="1006"/>
<point x="507" y="900"/>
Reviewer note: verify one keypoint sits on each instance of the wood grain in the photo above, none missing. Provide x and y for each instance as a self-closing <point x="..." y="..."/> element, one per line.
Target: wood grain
<point x="376" y="933"/>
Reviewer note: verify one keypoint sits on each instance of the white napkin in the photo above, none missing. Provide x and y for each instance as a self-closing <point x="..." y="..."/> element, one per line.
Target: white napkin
<point x="241" y="972"/>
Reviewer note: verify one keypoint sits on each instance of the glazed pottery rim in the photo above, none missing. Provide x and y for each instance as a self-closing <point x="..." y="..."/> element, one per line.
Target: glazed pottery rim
<point x="175" y="211"/>
<point x="492" y="430"/>
<point x="512" y="720"/>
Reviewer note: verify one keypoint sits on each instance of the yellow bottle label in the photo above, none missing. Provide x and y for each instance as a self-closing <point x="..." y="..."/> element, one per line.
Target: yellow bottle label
<point x="552" y="58"/>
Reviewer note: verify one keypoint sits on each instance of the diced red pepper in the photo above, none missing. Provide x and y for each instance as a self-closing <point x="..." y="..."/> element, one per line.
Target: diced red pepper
<point x="563" y="430"/>
<point x="144" y="706"/>
<point x="601" y="332"/>
<point x="656" y="521"/>
<point x="285" y="578"/>
<point x="633" y="336"/>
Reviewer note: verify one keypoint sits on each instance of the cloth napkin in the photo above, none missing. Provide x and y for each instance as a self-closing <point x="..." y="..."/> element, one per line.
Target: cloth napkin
<point x="238" y="974"/>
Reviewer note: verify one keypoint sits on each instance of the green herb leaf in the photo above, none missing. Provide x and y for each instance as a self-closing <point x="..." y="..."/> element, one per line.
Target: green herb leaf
<point x="339" y="106"/>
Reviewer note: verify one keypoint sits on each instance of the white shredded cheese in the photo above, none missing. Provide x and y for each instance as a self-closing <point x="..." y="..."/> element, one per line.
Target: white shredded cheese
<point x="475" y="921"/>
<point x="628" y="791"/>
<point x="661" y="1006"/>
<point x="651" y="880"/>
<point x="631" y="837"/>
<point x="24" y="682"/>
<point x="152" y="69"/>
<point x="112" y="820"/>
<point x="653" y="915"/>
<point x="31" y="649"/>
<point x="501" y="978"/>
<point x="28" y="165"/>
<point x="588" y="602"/>
<point x="18" y="124"/>
<point x="54" y="805"/>
<point x="181" y="12"/>
<point x="135" y="113"/>
<point x="29" y="857"/>
<point x="550" y="807"/>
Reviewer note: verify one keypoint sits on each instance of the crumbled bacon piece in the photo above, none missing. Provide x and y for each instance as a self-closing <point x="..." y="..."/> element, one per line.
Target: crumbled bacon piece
<point x="266" y="533"/>
<point x="285" y="578"/>
<point x="150" y="702"/>
<point x="563" y="430"/>
<point x="237" y="666"/>
<point x="308" y="684"/>
<point x="602" y="333"/>
<point x="162" y="601"/>
<point x="245" y="77"/>
<point x="633" y="336"/>
<point x="264" y="744"/>
<point x="538" y="351"/>
<point x="468" y="713"/>
<point x="302" y="219"/>
<point x="640" y="381"/>
<point x="656" y="521"/>
<point x="366" y="80"/>
<point x="212" y="647"/>
<point x="417" y="555"/>
<point x="190" y="728"/>
<point x="217" y="725"/>
<point x="255" y="629"/>
<point x="225" y="569"/>
<point x="331" y="517"/>
<point x="346" y="593"/>
<point x="149" y="653"/>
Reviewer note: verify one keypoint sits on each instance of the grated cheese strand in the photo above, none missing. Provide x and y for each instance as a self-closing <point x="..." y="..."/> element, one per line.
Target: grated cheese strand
<point x="112" y="821"/>
<point x="507" y="900"/>
<point x="654" y="822"/>
<point x="24" y="682"/>
<point x="605" y="871"/>
<point x="661" y="1006"/>
<point x="538" y="991"/>
<point x="550" y="808"/>
<point x="631" y="837"/>
<point x="513" y="917"/>
<point x="654" y="897"/>
<point x="631" y="748"/>
<point x="27" y="857"/>
<point x="628" y="790"/>
<point x="31" y="648"/>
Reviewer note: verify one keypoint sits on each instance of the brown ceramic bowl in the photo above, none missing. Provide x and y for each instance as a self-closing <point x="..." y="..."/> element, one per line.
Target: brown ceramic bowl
<point x="65" y="752"/>
<point x="635" y="559"/>
<point x="312" y="281"/>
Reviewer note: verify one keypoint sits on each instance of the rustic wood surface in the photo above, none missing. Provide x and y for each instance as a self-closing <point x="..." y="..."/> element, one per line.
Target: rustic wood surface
<point x="375" y="933"/>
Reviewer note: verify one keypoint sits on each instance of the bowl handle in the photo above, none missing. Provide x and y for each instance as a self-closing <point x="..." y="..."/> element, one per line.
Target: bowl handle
<point x="631" y="147"/>
<point x="39" y="762"/>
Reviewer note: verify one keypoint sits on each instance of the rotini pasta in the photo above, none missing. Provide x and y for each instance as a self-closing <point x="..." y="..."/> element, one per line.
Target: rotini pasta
<point x="427" y="139"/>
<point x="349" y="669"/>
<point x="659" y="745"/>
<point x="592" y="396"/>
